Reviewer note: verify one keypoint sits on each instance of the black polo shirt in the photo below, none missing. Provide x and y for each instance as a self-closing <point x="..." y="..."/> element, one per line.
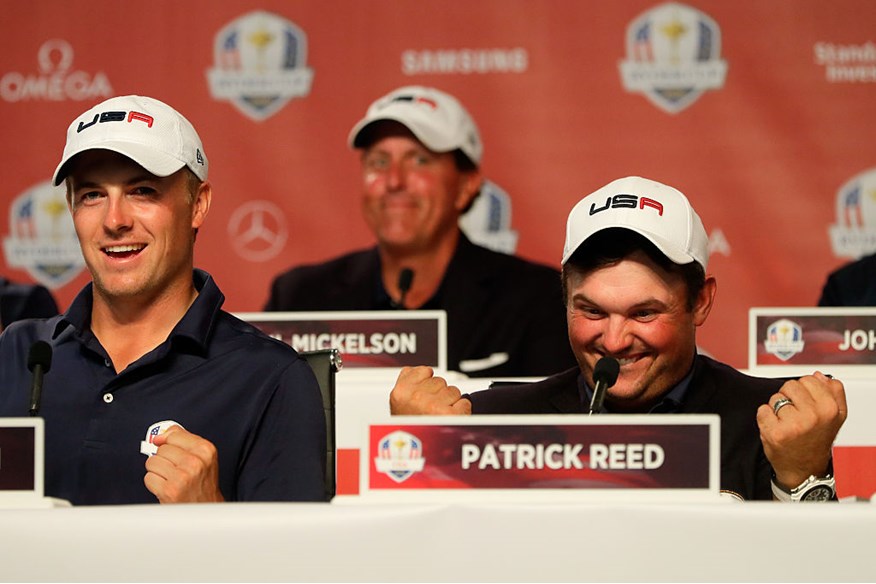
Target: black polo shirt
<point x="218" y="377"/>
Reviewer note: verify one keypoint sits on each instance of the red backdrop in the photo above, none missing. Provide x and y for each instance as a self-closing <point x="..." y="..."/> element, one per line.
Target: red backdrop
<point x="763" y="151"/>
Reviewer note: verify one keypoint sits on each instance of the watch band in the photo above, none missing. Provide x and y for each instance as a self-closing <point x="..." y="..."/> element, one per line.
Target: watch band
<point x="778" y="492"/>
<point x="812" y="489"/>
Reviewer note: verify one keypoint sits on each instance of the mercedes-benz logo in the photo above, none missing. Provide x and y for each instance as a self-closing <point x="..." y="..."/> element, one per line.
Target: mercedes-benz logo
<point x="257" y="230"/>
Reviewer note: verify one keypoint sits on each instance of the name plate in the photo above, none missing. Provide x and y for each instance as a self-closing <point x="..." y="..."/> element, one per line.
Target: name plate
<point x="378" y="339"/>
<point x="812" y="337"/>
<point x="21" y="457"/>
<point x="545" y="457"/>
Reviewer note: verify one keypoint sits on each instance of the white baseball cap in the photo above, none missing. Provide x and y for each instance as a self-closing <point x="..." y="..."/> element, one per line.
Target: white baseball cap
<point x="658" y="212"/>
<point x="149" y="132"/>
<point x="436" y="118"/>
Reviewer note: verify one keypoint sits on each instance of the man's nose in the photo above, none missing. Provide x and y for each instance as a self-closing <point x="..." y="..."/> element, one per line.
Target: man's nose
<point x="396" y="176"/>
<point x="617" y="336"/>
<point x="118" y="214"/>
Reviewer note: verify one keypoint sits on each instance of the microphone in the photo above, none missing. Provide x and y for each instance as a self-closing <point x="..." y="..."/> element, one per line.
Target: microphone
<point x="604" y="375"/>
<point x="39" y="361"/>
<point x="405" y="279"/>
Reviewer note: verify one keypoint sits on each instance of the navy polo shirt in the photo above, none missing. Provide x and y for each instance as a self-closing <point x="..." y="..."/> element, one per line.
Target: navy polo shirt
<point x="217" y="376"/>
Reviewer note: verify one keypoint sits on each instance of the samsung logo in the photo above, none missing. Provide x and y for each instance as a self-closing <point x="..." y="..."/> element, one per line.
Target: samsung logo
<point x="465" y="61"/>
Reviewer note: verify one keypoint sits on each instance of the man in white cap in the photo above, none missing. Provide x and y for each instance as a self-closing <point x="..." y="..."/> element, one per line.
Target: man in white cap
<point x="152" y="392"/>
<point x="636" y="290"/>
<point x="421" y="153"/>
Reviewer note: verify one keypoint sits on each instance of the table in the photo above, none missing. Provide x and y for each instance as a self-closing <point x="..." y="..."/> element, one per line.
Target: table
<point x="754" y="541"/>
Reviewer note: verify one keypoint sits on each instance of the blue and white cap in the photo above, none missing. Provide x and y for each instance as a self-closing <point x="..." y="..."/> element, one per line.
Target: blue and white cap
<point x="656" y="211"/>
<point x="437" y="119"/>
<point x="149" y="132"/>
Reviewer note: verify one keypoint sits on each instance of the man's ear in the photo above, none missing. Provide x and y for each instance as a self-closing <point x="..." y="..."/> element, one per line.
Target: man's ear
<point x="69" y="186"/>
<point x="705" y="300"/>
<point x="470" y="186"/>
<point x="201" y="204"/>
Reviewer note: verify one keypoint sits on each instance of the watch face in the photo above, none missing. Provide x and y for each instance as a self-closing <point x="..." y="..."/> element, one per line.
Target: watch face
<point x="819" y="493"/>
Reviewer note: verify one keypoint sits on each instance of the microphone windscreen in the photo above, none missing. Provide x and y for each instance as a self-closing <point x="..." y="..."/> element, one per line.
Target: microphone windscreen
<point x="40" y="354"/>
<point x="405" y="279"/>
<point x="606" y="370"/>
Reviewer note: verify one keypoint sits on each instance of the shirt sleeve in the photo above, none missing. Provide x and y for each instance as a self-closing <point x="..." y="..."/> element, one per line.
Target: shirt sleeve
<point x="829" y="296"/>
<point x="548" y="350"/>
<point x="286" y="461"/>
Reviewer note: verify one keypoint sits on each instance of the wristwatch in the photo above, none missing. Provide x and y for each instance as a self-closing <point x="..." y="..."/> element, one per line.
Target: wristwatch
<point x="812" y="489"/>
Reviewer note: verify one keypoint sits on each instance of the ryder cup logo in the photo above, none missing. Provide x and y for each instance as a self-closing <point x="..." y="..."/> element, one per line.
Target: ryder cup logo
<point x="147" y="445"/>
<point x="41" y="237"/>
<point x="673" y="56"/>
<point x="260" y="63"/>
<point x="784" y="339"/>
<point x="488" y="222"/>
<point x="854" y="233"/>
<point x="399" y="455"/>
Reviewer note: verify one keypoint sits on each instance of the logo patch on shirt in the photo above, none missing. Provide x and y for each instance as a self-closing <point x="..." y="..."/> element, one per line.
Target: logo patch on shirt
<point x="147" y="446"/>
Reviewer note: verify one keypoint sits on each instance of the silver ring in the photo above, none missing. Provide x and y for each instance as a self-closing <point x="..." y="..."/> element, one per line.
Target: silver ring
<point x="780" y="403"/>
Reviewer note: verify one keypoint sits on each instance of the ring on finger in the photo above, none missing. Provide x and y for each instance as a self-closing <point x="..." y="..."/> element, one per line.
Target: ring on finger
<point x="780" y="403"/>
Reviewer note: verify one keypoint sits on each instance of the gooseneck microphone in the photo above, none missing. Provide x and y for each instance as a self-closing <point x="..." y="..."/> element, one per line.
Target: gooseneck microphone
<point x="39" y="361"/>
<point x="405" y="279"/>
<point x="604" y="375"/>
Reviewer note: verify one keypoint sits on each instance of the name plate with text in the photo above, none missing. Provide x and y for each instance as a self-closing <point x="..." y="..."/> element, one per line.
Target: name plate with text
<point x="543" y="457"/>
<point x="377" y="339"/>
<point x="21" y="457"/>
<point x="843" y="338"/>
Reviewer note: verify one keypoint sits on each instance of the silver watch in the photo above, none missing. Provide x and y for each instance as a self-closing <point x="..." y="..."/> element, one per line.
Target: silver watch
<point x="812" y="489"/>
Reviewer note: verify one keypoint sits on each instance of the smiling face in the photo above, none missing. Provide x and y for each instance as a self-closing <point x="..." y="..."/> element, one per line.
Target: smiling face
<point x="638" y="313"/>
<point x="412" y="197"/>
<point x="136" y="230"/>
